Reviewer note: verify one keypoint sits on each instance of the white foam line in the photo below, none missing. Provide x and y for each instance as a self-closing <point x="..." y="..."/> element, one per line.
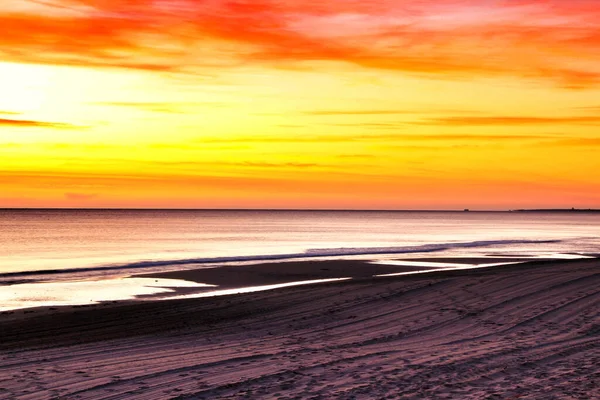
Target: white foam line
<point x="253" y="289"/>
<point x="463" y="267"/>
<point x="563" y="256"/>
<point x="455" y="266"/>
<point x="419" y="263"/>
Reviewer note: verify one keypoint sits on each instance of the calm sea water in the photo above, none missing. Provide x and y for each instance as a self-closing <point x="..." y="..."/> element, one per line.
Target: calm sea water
<point x="101" y="242"/>
<point x="79" y="257"/>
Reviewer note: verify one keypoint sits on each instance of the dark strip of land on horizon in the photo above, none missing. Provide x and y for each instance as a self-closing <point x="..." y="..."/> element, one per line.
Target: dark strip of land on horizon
<point x="301" y="209"/>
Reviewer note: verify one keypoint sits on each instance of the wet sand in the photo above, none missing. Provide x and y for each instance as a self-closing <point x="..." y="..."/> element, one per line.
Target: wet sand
<point x="276" y="273"/>
<point x="529" y="331"/>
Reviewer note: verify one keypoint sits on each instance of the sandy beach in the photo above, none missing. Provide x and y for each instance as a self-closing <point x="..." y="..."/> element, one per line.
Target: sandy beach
<point x="529" y="331"/>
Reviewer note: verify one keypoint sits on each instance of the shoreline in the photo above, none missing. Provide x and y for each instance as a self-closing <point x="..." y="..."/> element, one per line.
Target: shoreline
<point x="514" y="331"/>
<point x="209" y="280"/>
<point x="281" y="275"/>
<point x="233" y="279"/>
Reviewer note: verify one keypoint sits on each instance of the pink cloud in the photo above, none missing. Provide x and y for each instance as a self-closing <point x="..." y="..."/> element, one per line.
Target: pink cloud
<point x="550" y="40"/>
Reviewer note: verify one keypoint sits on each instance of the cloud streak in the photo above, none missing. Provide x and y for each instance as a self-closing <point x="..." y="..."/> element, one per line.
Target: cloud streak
<point x="201" y="143"/>
<point x="552" y="40"/>
<point x="158" y="106"/>
<point x="590" y="143"/>
<point x="509" y="120"/>
<point x="358" y="112"/>
<point x="21" y="123"/>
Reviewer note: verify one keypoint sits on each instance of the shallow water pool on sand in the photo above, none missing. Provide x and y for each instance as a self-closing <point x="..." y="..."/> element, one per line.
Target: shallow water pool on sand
<point x="42" y="294"/>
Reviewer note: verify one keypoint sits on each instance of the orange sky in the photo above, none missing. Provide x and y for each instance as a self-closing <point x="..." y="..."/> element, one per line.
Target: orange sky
<point x="391" y="104"/>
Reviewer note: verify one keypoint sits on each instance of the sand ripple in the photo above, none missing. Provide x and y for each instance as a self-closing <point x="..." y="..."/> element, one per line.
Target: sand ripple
<point x="523" y="332"/>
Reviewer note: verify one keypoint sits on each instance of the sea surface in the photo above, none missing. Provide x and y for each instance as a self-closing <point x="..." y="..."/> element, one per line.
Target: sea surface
<point x="66" y="246"/>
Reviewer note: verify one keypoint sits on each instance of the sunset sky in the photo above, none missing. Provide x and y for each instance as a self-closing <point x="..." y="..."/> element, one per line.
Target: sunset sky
<point x="360" y="104"/>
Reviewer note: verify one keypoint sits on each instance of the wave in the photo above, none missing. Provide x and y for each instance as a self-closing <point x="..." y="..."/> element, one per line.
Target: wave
<point x="426" y="248"/>
<point x="310" y="253"/>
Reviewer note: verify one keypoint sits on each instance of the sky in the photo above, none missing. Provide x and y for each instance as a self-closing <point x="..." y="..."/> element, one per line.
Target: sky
<point x="331" y="104"/>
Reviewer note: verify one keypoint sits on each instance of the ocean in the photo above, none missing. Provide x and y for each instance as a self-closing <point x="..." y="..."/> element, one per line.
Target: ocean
<point x="41" y="248"/>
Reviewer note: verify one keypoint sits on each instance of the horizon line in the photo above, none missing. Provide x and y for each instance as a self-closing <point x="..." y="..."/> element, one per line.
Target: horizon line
<point x="295" y="209"/>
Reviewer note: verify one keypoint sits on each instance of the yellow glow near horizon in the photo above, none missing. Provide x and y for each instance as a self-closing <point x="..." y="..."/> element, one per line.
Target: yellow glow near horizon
<point x="345" y="106"/>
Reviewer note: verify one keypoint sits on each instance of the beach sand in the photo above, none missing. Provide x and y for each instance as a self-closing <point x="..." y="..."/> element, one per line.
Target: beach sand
<point x="529" y="331"/>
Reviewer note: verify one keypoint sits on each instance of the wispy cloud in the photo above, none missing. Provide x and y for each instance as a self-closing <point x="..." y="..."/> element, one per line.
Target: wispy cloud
<point x="510" y="120"/>
<point x="472" y="137"/>
<point x="80" y="196"/>
<point x="577" y="142"/>
<point x="358" y="112"/>
<point x="378" y="112"/>
<point x="159" y="106"/>
<point x="371" y="125"/>
<point x="553" y="40"/>
<point x="251" y="164"/>
<point x="391" y="137"/>
<point x="356" y="156"/>
<point x="23" y="123"/>
<point x="279" y="165"/>
<point x="109" y="181"/>
<point x="593" y="109"/>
